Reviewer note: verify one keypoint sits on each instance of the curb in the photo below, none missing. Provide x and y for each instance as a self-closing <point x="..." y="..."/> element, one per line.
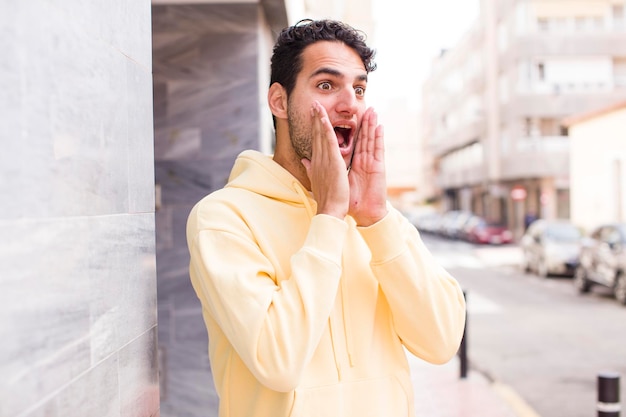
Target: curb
<point x="517" y="404"/>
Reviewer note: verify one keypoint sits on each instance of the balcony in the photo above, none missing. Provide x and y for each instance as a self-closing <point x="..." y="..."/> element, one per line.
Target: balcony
<point x="531" y="157"/>
<point x="608" y="43"/>
<point x="536" y="104"/>
<point x="464" y="176"/>
<point x="536" y="157"/>
<point x="458" y="138"/>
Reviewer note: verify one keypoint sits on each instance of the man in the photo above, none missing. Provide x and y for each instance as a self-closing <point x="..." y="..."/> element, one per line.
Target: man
<point x="311" y="283"/>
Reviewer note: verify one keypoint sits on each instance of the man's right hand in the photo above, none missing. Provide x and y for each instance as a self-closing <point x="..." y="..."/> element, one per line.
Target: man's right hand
<point x="327" y="169"/>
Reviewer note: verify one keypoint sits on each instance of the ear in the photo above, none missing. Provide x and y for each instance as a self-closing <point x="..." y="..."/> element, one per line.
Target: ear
<point x="277" y="100"/>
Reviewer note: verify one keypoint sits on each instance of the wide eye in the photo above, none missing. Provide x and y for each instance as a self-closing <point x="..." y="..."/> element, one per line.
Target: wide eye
<point x="360" y="91"/>
<point x="325" y="85"/>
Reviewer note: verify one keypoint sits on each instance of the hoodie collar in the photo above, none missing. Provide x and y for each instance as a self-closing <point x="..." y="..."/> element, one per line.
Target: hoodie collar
<point x="259" y="173"/>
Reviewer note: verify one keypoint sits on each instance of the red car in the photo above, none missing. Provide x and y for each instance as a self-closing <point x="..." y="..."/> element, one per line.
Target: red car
<point x="479" y="230"/>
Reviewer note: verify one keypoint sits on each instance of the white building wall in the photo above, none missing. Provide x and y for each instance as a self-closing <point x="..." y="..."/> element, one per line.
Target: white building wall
<point x="597" y="145"/>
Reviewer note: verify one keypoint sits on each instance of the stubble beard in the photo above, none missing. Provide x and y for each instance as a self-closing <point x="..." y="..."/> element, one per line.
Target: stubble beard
<point x="300" y="134"/>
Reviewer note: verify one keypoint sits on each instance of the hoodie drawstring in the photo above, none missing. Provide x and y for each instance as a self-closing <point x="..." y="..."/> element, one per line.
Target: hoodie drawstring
<point x="305" y="198"/>
<point x="347" y="325"/>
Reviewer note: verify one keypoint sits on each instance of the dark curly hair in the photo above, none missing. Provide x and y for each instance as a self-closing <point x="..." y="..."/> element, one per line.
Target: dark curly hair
<point x="291" y="42"/>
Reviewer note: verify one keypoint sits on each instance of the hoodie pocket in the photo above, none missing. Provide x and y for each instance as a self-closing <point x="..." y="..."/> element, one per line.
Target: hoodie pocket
<point x="386" y="396"/>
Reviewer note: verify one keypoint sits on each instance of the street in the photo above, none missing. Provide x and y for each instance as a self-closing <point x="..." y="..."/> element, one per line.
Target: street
<point x="538" y="336"/>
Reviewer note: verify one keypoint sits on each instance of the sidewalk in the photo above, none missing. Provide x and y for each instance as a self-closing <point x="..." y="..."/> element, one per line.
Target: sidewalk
<point x="440" y="392"/>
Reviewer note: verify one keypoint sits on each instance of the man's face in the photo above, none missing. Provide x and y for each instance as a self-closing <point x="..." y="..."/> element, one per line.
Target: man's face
<point x="333" y="74"/>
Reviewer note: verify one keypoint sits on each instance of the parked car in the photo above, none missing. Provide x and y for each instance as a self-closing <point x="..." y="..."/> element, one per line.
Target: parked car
<point x="428" y="223"/>
<point x="454" y="227"/>
<point x="451" y="223"/>
<point x="447" y="222"/>
<point x="603" y="261"/>
<point x="551" y="247"/>
<point x="479" y="230"/>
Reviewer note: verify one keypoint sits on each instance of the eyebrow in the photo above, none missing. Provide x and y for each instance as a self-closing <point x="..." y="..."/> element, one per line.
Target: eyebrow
<point x="336" y="73"/>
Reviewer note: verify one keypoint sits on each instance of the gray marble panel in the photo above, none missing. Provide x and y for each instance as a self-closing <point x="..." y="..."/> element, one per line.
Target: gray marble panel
<point x="206" y="18"/>
<point x="10" y="87"/>
<point x="140" y="139"/>
<point x="206" y="81"/>
<point x="75" y="290"/>
<point x="123" y="268"/>
<point x="78" y="310"/>
<point x="222" y="104"/>
<point x="173" y="263"/>
<point x="69" y="154"/>
<point x="81" y="398"/>
<point x="44" y="302"/>
<point x="139" y="379"/>
<point x="182" y="183"/>
<point x="207" y="107"/>
<point x="189" y="390"/>
<point x="95" y="19"/>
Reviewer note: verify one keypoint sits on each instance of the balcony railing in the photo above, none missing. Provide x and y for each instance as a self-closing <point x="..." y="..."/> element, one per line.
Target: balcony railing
<point x="529" y="157"/>
<point x="535" y="157"/>
<point x="542" y="144"/>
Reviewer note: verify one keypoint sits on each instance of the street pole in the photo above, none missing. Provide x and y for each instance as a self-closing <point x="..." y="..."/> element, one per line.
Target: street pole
<point x="463" y="346"/>
<point x="608" y="395"/>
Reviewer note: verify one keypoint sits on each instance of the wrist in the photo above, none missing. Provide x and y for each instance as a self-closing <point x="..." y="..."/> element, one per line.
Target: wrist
<point x="365" y="221"/>
<point x="335" y="211"/>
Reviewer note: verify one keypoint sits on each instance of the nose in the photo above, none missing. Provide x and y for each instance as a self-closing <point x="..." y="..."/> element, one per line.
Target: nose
<point x="348" y="102"/>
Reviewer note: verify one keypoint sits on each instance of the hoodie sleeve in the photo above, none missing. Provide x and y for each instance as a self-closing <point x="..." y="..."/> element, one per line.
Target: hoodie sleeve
<point x="274" y="327"/>
<point x="427" y="303"/>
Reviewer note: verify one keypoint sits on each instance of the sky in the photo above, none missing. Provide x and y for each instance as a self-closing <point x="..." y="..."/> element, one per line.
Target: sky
<point x="409" y="34"/>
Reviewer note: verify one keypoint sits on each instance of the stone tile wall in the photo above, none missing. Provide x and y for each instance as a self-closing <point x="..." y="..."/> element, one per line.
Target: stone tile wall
<point x="207" y="109"/>
<point x="78" y="313"/>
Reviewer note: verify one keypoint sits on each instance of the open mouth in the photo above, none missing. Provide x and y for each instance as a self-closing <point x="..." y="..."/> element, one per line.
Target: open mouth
<point x="344" y="136"/>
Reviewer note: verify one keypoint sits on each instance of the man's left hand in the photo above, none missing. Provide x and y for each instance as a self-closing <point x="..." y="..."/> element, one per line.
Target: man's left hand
<point x="368" y="184"/>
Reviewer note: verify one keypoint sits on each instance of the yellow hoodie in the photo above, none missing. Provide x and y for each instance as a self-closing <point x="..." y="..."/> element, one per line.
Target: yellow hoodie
<point x="307" y="315"/>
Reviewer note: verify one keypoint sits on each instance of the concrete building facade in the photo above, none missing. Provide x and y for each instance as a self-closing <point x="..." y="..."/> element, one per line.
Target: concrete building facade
<point x="494" y="104"/>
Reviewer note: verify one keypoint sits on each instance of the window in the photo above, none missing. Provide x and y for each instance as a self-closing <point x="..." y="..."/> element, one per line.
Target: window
<point x="549" y="127"/>
<point x="617" y="184"/>
<point x="619" y="72"/>
<point x="598" y="22"/>
<point x="541" y="71"/>
<point x="618" y="17"/>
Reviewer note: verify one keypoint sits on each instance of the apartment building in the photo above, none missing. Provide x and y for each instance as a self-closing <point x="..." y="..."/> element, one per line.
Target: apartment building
<point x="494" y="103"/>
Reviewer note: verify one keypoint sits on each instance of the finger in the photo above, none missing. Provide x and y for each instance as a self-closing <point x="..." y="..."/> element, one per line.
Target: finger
<point x="316" y="131"/>
<point x="307" y="166"/>
<point x="320" y="131"/>
<point x="372" y="125"/>
<point x="380" y="143"/>
<point x="329" y="142"/>
<point x="363" y="132"/>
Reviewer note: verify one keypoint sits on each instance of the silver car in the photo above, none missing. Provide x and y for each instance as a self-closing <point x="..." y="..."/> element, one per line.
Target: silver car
<point x="551" y="247"/>
<point x="603" y="261"/>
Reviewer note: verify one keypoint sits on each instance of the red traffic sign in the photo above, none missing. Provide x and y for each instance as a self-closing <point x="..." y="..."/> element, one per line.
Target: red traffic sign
<point x="518" y="193"/>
